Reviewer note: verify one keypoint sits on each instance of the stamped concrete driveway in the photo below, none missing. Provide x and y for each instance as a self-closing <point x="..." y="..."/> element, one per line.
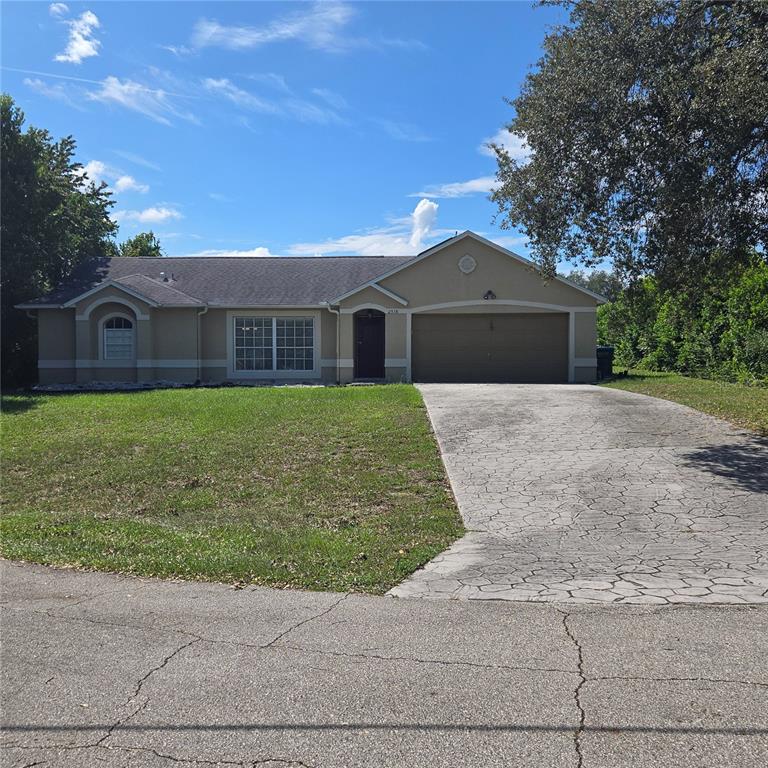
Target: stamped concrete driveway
<point x="582" y="494"/>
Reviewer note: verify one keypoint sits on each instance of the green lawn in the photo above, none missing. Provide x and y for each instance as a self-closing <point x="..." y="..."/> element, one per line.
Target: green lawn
<point x="741" y="405"/>
<point x="333" y="489"/>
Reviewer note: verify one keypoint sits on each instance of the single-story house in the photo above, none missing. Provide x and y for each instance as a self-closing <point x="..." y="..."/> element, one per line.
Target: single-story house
<point x="465" y="310"/>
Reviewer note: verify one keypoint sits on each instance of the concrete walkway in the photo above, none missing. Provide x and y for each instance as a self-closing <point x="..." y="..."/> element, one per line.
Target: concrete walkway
<point x="585" y="494"/>
<point x="108" y="671"/>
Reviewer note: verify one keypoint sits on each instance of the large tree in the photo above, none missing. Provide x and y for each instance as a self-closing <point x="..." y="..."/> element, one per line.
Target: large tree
<point x="143" y="245"/>
<point x="647" y="122"/>
<point x="52" y="219"/>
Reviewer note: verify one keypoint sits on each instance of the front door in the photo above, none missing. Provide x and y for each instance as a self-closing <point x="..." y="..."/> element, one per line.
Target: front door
<point x="369" y="344"/>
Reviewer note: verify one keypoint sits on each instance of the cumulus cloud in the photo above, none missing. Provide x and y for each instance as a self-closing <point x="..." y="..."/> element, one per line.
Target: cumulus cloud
<point x="408" y="236"/>
<point x="515" y="146"/>
<point x="259" y="251"/>
<point x="81" y="43"/>
<point x="424" y="217"/>
<point x="152" y="215"/>
<point x="481" y="185"/>
<point x="129" y="184"/>
<point x="98" y="171"/>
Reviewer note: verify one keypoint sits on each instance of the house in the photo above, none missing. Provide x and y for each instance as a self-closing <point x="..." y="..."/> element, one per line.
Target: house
<point x="463" y="310"/>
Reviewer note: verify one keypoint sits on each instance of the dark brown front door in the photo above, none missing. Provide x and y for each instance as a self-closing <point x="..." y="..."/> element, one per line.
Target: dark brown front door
<point x="369" y="344"/>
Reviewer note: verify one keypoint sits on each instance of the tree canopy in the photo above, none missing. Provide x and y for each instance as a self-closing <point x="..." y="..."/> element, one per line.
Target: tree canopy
<point x="145" y="244"/>
<point x="647" y="123"/>
<point x="52" y="219"/>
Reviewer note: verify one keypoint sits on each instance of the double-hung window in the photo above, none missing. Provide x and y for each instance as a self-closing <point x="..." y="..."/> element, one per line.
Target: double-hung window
<point x="118" y="339"/>
<point x="274" y="343"/>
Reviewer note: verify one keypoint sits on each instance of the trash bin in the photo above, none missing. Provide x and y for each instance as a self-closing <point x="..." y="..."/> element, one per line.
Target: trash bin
<point x="604" y="362"/>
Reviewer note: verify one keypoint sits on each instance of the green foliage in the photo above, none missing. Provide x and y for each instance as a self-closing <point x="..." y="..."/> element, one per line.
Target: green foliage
<point x="719" y="331"/>
<point x="648" y="125"/>
<point x="143" y="245"/>
<point x="52" y="220"/>
<point x="607" y="284"/>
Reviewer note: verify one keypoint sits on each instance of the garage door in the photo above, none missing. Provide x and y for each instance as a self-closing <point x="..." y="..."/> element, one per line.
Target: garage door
<point x="492" y="348"/>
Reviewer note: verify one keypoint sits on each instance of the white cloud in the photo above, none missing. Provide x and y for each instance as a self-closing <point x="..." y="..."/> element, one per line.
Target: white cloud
<point x="55" y="91"/>
<point x="154" y="103"/>
<point x="178" y="50"/>
<point x="482" y="185"/>
<point x="137" y="159"/>
<point x="510" y="241"/>
<point x="219" y="198"/>
<point x="407" y="236"/>
<point x="513" y="145"/>
<point x="81" y="44"/>
<point x="227" y="89"/>
<point x="272" y="80"/>
<point x="258" y="252"/>
<point x="336" y="100"/>
<point x="98" y="171"/>
<point x="153" y="215"/>
<point x="299" y="109"/>
<point x="401" y="131"/>
<point x="58" y="9"/>
<point x="424" y="217"/>
<point x="318" y="26"/>
<point x="129" y="184"/>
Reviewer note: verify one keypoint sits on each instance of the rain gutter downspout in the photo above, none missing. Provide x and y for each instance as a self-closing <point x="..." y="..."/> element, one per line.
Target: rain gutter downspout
<point x="338" y="338"/>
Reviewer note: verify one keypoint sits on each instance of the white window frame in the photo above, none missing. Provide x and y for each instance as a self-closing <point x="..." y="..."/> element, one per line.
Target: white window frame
<point x="273" y="374"/>
<point x="116" y="361"/>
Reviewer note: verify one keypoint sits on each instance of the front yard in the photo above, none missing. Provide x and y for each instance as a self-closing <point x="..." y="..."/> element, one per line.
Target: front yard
<point x="741" y="405"/>
<point x="329" y="489"/>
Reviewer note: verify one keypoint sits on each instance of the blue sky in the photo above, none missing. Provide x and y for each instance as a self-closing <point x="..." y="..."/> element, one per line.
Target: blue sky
<point x="281" y="128"/>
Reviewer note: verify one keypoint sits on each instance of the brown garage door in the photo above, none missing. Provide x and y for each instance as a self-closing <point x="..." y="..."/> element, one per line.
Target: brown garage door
<point x="492" y="348"/>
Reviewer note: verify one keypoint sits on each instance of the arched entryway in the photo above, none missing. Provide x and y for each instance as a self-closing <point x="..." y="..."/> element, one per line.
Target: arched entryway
<point x="369" y="344"/>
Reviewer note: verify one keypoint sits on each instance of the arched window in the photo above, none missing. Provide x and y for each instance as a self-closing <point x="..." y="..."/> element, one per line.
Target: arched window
<point x="118" y="339"/>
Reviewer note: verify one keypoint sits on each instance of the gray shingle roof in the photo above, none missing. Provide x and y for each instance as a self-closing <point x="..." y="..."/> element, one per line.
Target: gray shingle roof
<point x="224" y="281"/>
<point x="157" y="291"/>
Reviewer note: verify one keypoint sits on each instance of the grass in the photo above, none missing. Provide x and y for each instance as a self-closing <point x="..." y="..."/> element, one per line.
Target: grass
<point x="741" y="405"/>
<point x="329" y="489"/>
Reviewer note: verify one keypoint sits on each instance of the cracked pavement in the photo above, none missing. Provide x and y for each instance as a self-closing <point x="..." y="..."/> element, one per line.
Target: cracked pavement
<point x="111" y="671"/>
<point x="582" y="494"/>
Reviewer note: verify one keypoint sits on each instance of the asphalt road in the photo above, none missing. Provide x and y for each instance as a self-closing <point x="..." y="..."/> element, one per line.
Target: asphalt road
<point x="101" y="670"/>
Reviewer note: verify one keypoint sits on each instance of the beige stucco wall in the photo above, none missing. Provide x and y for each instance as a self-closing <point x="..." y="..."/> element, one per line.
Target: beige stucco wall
<point x="174" y="334"/>
<point x="585" y="334"/>
<point x="437" y="280"/>
<point x="56" y="335"/>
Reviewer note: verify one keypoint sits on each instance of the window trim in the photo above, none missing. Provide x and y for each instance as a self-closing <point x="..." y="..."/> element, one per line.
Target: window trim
<point x="125" y="361"/>
<point x="273" y="374"/>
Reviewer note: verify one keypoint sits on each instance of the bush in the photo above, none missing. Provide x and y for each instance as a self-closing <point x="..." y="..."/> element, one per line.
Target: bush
<point x="719" y="331"/>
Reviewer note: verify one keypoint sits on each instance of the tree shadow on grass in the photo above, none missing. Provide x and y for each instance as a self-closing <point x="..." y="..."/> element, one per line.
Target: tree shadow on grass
<point x="12" y="404"/>
<point x="745" y="464"/>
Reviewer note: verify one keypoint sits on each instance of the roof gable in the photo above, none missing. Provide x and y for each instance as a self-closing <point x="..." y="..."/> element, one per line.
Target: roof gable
<point x="452" y="241"/>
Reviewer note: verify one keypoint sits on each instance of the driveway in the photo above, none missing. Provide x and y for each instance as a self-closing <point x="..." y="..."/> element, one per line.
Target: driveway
<point x="586" y="494"/>
<point x="114" y="672"/>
